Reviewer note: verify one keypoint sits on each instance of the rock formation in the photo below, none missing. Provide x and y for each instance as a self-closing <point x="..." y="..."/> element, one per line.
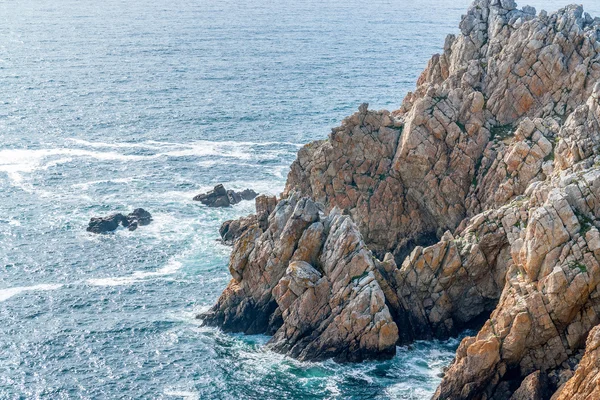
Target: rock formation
<point x="221" y="197"/>
<point x="475" y="204"/>
<point x="233" y="229"/>
<point x="309" y="280"/>
<point x="139" y="217"/>
<point x="585" y="384"/>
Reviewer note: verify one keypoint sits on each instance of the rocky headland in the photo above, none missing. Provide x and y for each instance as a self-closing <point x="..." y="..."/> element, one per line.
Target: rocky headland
<point x="474" y="205"/>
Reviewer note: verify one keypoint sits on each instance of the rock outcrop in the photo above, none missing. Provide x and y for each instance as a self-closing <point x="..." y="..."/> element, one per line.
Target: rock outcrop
<point x="585" y="384"/>
<point x="309" y="280"/>
<point x="231" y="230"/>
<point x="221" y="197"/>
<point x="474" y="205"/>
<point x="131" y="221"/>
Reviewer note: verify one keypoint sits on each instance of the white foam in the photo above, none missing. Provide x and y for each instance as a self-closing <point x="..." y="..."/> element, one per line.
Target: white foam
<point x="205" y="149"/>
<point x="6" y="294"/>
<point x="86" y="185"/>
<point x="151" y="144"/>
<point x="332" y="387"/>
<point x="408" y="390"/>
<point x="117" y="281"/>
<point x="137" y="276"/>
<point x="200" y="148"/>
<point x="184" y="394"/>
<point x="17" y="161"/>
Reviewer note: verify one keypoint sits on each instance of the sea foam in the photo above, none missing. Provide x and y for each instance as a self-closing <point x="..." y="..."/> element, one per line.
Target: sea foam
<point x="137" y="276"/>
<point x="6" y="294"/>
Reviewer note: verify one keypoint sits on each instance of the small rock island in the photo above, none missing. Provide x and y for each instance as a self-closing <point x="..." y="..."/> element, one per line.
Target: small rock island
<point x="131" y="221"/>
<point x="221" y="197"/>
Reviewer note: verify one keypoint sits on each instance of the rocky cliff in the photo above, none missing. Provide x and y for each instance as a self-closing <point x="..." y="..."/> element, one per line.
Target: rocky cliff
<point x="475" y="204"/>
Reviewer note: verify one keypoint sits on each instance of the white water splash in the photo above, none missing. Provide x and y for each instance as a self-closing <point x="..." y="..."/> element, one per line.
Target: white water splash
<point x="136" y="277"/>
<point x="6" y="294"/>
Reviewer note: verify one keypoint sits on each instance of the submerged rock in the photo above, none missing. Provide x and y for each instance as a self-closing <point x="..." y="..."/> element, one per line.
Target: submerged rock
<point x="139" y="217"/>
<point x="221" y="197"/>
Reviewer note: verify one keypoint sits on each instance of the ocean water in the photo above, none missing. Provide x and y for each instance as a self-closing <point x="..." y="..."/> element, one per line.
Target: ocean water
<point x="108" y="106"/>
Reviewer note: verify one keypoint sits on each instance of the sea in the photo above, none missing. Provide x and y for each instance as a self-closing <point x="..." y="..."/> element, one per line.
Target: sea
<point x="107" y="106"/>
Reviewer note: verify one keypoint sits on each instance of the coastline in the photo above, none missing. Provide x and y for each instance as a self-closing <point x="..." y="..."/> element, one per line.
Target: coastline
<point x="467" y="176"/>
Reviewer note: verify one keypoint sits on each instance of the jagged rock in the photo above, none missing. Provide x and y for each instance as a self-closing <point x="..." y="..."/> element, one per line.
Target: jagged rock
<point x="221" y="197"/>
<point x="585" y="384"/>
<point x="534" y="387"/>
<point x="231" y="230"/>
<point x="442" y="289"/>
<point x="309" y="279"/>
<point x="217" y="197"/>
<point x="411" y="174"/>
<point x="549" y="303"/>
<point x="139" y="217"/>
<point x="480" y="194"/>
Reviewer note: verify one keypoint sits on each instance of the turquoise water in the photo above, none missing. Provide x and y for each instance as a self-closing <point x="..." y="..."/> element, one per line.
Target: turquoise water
<point x="108" y="106"/>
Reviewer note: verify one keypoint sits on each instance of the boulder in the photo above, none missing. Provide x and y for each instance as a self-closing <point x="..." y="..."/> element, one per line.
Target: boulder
<point x="139" y="217"/>
<point x="221" y="197"/>
<point x="534" y="387"/>
<point x="107" y="224"/>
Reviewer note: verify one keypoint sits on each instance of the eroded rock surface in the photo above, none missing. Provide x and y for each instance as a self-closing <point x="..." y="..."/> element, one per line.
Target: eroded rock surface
<point x="550" y="301"/>
<point x="231" y="230"/>
<point x="308" y="279"/>
<point x="476" y="204"/>
<point x="585" y="384"/>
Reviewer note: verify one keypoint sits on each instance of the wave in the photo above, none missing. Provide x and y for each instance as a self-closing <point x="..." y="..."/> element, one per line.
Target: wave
<point x="137" y="276"/>
<point x="184" y="394"/>
<point x="86" y="185"/>
<point x="153" y="144"/>
<point x="200" y="148"/>
<point x="6" y="294"/>
<point x="15" y="162"/>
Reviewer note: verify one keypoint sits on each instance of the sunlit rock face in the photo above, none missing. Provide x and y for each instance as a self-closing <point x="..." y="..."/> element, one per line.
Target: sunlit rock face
<point x="475" y="204"/>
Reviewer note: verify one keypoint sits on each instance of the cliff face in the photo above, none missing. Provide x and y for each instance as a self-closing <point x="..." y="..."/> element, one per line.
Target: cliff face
<point x="480" y="194"/>
<point x="308" y="279"/>
<point x="409" y="175"/>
